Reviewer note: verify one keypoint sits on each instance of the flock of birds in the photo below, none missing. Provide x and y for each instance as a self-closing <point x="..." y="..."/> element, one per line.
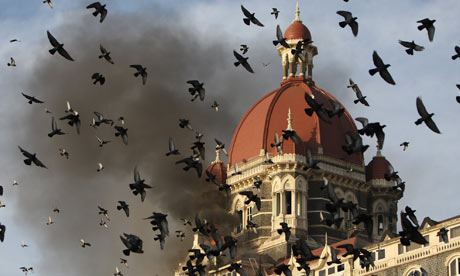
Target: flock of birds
<point x="353" y="144"/>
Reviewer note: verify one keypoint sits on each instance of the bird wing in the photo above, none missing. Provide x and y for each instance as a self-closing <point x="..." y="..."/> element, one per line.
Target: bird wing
<point x="245" y="11"/>
<point x="99" y="116"/>
<point x="99" y="139"/>
<point x="386" y="76"/>
<point x="103" y="50"/>
<point x="64" y="53"/>
<point x="419" y="48"/>
<point x="53" y="124"/>
<point x="247" y="66"/>
<point x="363" y="121"/>
<point x="431" y="32"/>
<point x="27" y="96"/>
<point x="171" y="144"/>
<point x="430" y="123"/>
<point x="279" y="33"/>
<point x="311" y="101"/>
<point x="25" y="153"/>
<point x="335" y="105"/>
<point x="346" y="14"/>
<point x="421" y="108"/>
<point x="194" y="82"/>
<point x="137" y="177"/>
<point x="96" y="5"/>
<point x="103" y="14"/>
<point x="52" y="40"/>
<point x="354" y="27"/>
<point x="406" y="44"/>
<point x="377" y="60"/>
<point x="237" y="56"/>
<point x="249" y="194"/>
<point x="136" y="66"/>
<point x="257" y="22"/>
<point x="380" y="138"/>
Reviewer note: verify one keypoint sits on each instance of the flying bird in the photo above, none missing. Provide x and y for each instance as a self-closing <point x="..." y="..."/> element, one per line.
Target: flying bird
<point x="101" y="142"/>
<point x="31" y="158"/>
<point x="74" y="119"/>
<point x="141" y="71"/>
<point x="425" y="116"/>
<point x="124" y="261"/>
<point x="371" y="129"/>
<point x="252" y="198"/>
<point x="172" y="148"/>
<point x="12" y="62"/>
<point x="244" y="48"/>
<point x="411" y="47"/>
<point x="237" y="267"/>
<point x="192" y="162"/>
<point x="117" y="272"/>
<point x="243" y="61"/>
<point x="381" y="68"/>
<point x="349" y="20"/>
<point x="353" y="143"/>
<point x="138" y="187"/>
<point x="184" y="123"/>
<point x="84" y="244"/>
<point x="186" y="221"/>
<point x="317" y="108"/>
<point x="215" y="105"/>
<point x="99" y="9"/>
<point x="100" y="167"/>
<point x="48" y="2"/>
<point x="14" y="40"/>
<point x="68" y="108"/>
<point x="103" y="223"/>
<point x="197" y="90"/>
<point x="31" y="99"/>
<point x="405" y="145"/>
<point x="98" y="78"/>
<point x="54" y="129"/>
<point x="2" y="232"/>
<point x="123" y="132"/>
<point x="105" y="54"/>
<point x="58" y="47"/>
<point x="280" y="39"/>
<point x="275" y="12"/>
<point x="250" y="18"/>
<point x="358" y="93"/>
<point x="278" y="144"/>
<point x="337" y="110"/>
<point x="429" y="26"/>
<point x="180" y="234"/>
<point x="457" y="53"/>
<point x="442" y="233"/>
<point x="50" y="221"/>
<point x="284" y="229"/>
<point x="56" y="209"/>
<point x="123" y="206"/>
<point x="63" y="152"/>
<point x="23" y="244"/>
<point x="102" y="120"/>
<point x="2" y="205"/>
<point x="221" y="146"/>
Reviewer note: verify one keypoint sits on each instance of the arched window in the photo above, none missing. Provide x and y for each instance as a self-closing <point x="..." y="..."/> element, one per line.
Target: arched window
<point x="454" y="267"/>
<point x="415" y="272"/>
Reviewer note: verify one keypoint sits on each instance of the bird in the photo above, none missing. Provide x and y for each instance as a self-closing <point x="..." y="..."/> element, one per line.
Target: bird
<point x="265" y="64"/>
<point x="105" y="54"/>
<point x="180" y="234"/>
<point x="48" y="2"/>
<point x="353" y="143"/>
<point x="159" y="222"/>
<point x="442" y="234"/>
<point x="391" y="175"/>
<point x="192" y="162"/>
<point x="100" y="167"/>
<point x="104" y="212"/>
<point x="221" y="146"/>
<point x="275" y="12"/>
<point x="197" y="90"/>
<point x="410" y="232"/>
<point x="26" y="270"/>
<point x="244" y="48"/>
<point x="351" y="250"/>
<point x="280" y="38"/>
<point x="297" y="52"/>
<point x="14" y="40"/>
<point x="371" y="129"/>
<point x="2" y="232"/>
<point x="172" y="148"/>
<point x="411" y="47"/>
<point x="84" y="244"/>
<point x="257" y="183"/>
<point x="123" y="206"/>
<point x="334" y="258"/>
<point x="249" y="17"/>
<point x="101" y="142"/>
<point x="251" y="197"/>
<point x="12" y="62"/>
<point x="316" y="107"/>
<point x="102" y="120"/>
<point x="457" y="53"/>
<point x="74" y="119"/>
<point x="184" y="123"/>
<point x="237" y="267"/>
<point x="138" y="187"/>
<point x="99" y="9"/>
<point x="47" y="111"/>
<point x="215" y="105"/>
<point x="63" y="152"/>
<point x="56" y="209"/>
<point x="285" y="229"/>
<point x="117" y="272"/>
<point x="405" y="145"/>
<point x="23" y="244"/>
<point x="425" y="116"/>
<point x="411" y="214"/>
<point x="15" y="183"/>
<point x="98" y="78"/>
<point x="31" y="99"/>
<point x="141" y="71"/>
<point x="31" y="158"/>
<point x="429" y="26"/>
<point x="336" y="219"/>
<point x="349" y="20"/>
<point x="58" y="47"/>
<point x="124" y="261"/>
<point x="381" y="68"/>
<point x="243" y="61"/>
<point x="399" y="184"/>
<point x="2" y="205"/>
<point x="49" y="221"/>
<point x="252" y="226"/>
<point x="1" y="190"/>
<point x="311" y="164"/>
<point x="336" y="109"/>
<point x="68" y="108"/>
<point x="282" y="269"/>
<point x="358" y="93"/>
<point x="103" y="223"/>
<point x="359" y="217"/>
<point x="54" y="129"/>
<point x="278" y="144"/>
<point x="225" y="187"/>
<point x="123" y="132"/>
<point x="186" y="221"/>
<point x="210" y="177"/>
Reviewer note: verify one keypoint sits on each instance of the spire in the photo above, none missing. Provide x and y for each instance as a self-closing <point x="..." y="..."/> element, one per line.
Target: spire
<point x="297" y="13"/>
<point x="289" y="120"/>
<point x="325" y="239"/>
<point x="217" y="157"/>
<point x="379" y="151"/>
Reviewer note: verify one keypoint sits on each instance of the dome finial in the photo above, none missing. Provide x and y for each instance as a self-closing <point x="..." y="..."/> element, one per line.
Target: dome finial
<point x="289" y="119"/>
<point x="297" y="13"/>
<point x="217" y="157"/>
<point x="379" y="151"/>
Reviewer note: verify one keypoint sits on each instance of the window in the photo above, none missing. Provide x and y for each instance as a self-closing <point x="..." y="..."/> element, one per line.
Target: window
<point x="240" y="226"/>
<point x="331" y="270"/>
<point x="379" y="224"/>
<point x="288" y="202"/>
<point x="249" y="214"/>
<point x="455" y="232"/>
<point x="299" y="207"/>
<point x="454" y="267"/>
<point x="278" y="204"/>
<point x="381" y="254"/>
<point x="322" y="272"/>
<point x="340" y="268"/>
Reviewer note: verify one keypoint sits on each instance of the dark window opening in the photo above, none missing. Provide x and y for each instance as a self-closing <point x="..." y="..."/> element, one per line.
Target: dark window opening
<point x="288" y="203"/>
<point x="240" y="226"/>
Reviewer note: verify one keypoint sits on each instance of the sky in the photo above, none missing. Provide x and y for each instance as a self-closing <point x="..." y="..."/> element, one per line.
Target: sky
<point x="178" y="41"/>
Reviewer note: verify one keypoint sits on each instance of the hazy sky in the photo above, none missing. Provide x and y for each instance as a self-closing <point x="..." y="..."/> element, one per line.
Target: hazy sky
<point x="178" y="41"/>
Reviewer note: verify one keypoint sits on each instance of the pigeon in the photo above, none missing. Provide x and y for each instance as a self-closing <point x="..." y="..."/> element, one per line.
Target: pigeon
<point x="297" y="52"/>
<point x="350" y="250"/>
<point x="117" y="272"/>
<point x="366" y="219"/>
<point x="103" y="223"/>
<point x="74" y="119"/>
<point x="23" y="245"/>
<point x="2" y="205"/>
<point x="2" y="232"/>
<point x="391" y="175"/>
<point x="133" y="244"/>
<point x="411" y="214"/>
<point x="105" y="54"/>
<point x="210" y="177"/>
<point x="124" y="261"/>
<point x="56" y="209"/>
<point x="121" y="120"/>
<point x="225" y="187"/>
<point x="353" y="143"/>
<point x="349" y="20"/>
<point x="428" y="25"/>
<point x="1" y="190"/>
<point x="49" y="221"/>
<point x="48" y="2"/>
<point x="256" y="184"/>
<point x="160" y="223"/>
<point x="405" y="145"/>
<point x="142" y="71"/>
<point x="172" y="148"/>
<point x="250" y="18"/>
<point x="359" y="95"/>
<point x="442" y="234"/>
<point x="31" y="99"/>
<point x="84" y="244"/>
<point x="334" y="259"/>
<point x="243" y="61"/>
<point x="336" y="220"/>
<point x="138" y="187"/>
<point x="14" y="40"/>
<point x="282" y="269"/>
<point x="316" y="107"/>
<point x="336" y="109"/>
<point x="103" y="212"/>
<point x="381" y="68"/>
<point x="186" y="221"/>
<point x="370" y="129"/>
<point x="98" y="78"/>
<point x="100" y="167"/>
<point x="409" y="232"/>
<point x="268" y="160"/>
<point x="47" y="111"/>
<point x="58" y="47"/>
<point x="311" y="164"/>
<point x="275" y="12"/>
<point x="123" y="206"/>
<point x="184" y="123"/>
<point x="180" y="234"/>
<point x="31" y="158"/>
<point x="278" y="144"/>
<point x="192" y="162"/>
<point x="265" y="64"/>
<point x="411" y="47"/>
<point x="425" y="116"/>
<point x="280" y="38"/>
<point x="99" y="9"/>
<point x="12" y="62"/>
<point x="102" y="120"/>
<point x="290" y="133"/>
<point x="161" y="239"/>
<point x="54" y="129"/>
<point x="221" y="146"/>
<point x="123" y="132"/>
<point x="244" y="48"/>
<point x="101" y="142"/>
<point x="457" y="51"/>
<point x="197" y="90"/>
<point x="215" y="105"/>
<point x="200" y="226"/>
<point x="399" y="184"/>
<point x="26" y="270"/>
<point x="63" y="152"/>
<point x="284" y="229"/>
<point x="237" y="268"/>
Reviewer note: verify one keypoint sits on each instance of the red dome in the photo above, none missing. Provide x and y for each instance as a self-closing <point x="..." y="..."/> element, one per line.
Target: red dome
<point x="377" y="168"/>
<point x="219" y="170"/>
<point x="269" y="115"/>
<point x="297" y="30"/>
